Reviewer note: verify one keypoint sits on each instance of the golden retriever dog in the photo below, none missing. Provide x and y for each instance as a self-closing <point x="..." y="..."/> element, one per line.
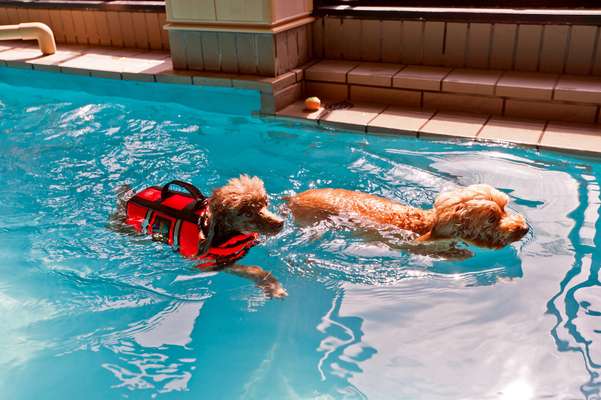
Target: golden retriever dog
<point x="475" y="214"/>
<point x="239" y="207"/>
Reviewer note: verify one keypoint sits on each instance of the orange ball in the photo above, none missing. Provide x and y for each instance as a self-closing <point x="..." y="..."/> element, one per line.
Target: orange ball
<point x="312" y="103"/>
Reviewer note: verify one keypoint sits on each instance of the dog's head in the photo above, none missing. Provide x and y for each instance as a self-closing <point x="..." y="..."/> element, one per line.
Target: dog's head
<point x="476" y="214"/>
<point x="242" y="205"/>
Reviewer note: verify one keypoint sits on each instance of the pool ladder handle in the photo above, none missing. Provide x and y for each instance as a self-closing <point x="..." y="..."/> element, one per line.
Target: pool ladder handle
<point x="31" y="31"/>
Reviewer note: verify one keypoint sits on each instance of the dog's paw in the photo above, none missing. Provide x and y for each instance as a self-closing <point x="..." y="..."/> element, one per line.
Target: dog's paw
<point x="273" y="290"/>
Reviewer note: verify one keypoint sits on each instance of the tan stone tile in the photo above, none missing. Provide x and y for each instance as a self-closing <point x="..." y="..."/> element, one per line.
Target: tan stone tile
<point x="330" y="91"/>
<point x="227" y="47"/>
<point x="581" y="49"/>
<point x="63" y="19"/>
<point x="56" y="24"/>
<point x="111" y="52"/>
<point x="20" y="54"/>
<point x="330" y="71"/>
<point x="333" y="37"/>
<point x="90" y="26"/>
<point x="140" y="30"/>
<point x="283" y="81"/>
<point x="512" y="130"/>
<point x="255" y="83"/>
<point x="434" y="37"/>
<point x="526" y="85"/>
<point x="370" y="40"/>
<point x="18" y="64"/>
<point x="96" y="62"/>
<point x="355" y="118"/>
<point x="75" y="71"/>
<point x="164" y="34"/>
<point x="193" y="50"/>
<point x="287" y="96"/>
<point x="213" y="79"/>
<point x="54" y="59"/>
<point x="420" y="77"/>
<point x="462" y="103"/>
<point x="106" y="74"/>
<point x="478" y="45"/>
<point x="42" y="67"/>
<point x="554" y="48"/>
<point x="154" y="68"/>
<point x="550" y="111"/>
<point x="128" y="34"/>
<point x="391" y="47"/>
<point x="154" y="30"/>
<point x="114" y="25"/>
<point x="79" y="27"/>
<point x="374" y="74"/>
<point x="584" y="138"/>
<point x="137" y="76"/>
<point x="351" y="32"/>
<point x="456" y="44"/>
<point x="177" y="77"/>
<point x="413" y="42"/>
<point x="528" y="47"/>
<point x="177" y="44"/>
<point x="399" y="120"/>
<point x="472" y="81"/>
<point x="579" y="89"/>
<point x="246" y="45"/>
<point x="503" y="44"/>
<point x="297" y="110"/>
<point x="387" y="96"/>
<point x="102" y="27"/>
<point x="456" y="125"/>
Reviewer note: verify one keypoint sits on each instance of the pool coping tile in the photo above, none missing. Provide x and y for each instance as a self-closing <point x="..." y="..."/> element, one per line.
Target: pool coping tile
<point x="512" y="130"/>
<point x="420" y="77"/>
<point x="298" y="112"/>
<point x="459" y="125"/>
<point x="356" y="117"/>
<point x="471" y="81"/>
<point x="583" y="138"/>
<point x="330" y="71"/>
<point x="399" y="120"/>
<point x="374" y="74"/>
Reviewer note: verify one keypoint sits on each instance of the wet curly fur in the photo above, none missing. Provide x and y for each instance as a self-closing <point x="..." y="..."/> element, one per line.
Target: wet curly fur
<point x="475" y="214"/>
<point x="241" y="206"/>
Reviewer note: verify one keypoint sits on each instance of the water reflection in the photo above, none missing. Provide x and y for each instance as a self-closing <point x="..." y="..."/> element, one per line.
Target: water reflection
<point x="577" y="305"/>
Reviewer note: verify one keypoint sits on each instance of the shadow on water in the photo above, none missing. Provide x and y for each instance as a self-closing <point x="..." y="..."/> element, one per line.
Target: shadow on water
<point x="577" y="305"/>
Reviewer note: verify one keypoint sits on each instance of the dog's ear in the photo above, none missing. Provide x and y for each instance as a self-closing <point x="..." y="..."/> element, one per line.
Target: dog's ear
<point x="466" y="219"/>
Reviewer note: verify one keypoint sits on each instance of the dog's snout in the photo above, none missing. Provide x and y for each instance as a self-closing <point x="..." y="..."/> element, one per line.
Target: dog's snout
<point x="279" y="224"/>
<point x="523" y="230"/>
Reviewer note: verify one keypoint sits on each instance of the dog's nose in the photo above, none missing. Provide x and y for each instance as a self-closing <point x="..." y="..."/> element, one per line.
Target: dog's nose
<point x="279" y="225"/>
<point x="521" y="232"/>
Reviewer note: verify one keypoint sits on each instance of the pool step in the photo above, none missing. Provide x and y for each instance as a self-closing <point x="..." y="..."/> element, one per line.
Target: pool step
<point x="569" y="98"/>
<point x="377" y="118"/>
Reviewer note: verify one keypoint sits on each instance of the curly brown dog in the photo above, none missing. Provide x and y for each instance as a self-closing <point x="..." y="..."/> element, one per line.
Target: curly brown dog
<point x="239" y="207"/>
<point x="475" y="214"/>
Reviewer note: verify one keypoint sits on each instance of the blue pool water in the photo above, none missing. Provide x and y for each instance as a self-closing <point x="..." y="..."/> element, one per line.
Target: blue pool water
<point x="88" y="313"/>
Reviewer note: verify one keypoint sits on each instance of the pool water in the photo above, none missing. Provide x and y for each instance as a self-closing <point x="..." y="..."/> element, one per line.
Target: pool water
<point x="89" y="313"/>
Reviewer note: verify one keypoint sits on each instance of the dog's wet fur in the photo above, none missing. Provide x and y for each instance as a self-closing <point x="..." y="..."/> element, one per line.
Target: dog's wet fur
<point x="241" y="206"/>
<point x="475" y="214"/>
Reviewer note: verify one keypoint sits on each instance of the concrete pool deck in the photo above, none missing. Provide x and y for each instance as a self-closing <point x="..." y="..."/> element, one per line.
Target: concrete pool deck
<point x="156" y="66"/>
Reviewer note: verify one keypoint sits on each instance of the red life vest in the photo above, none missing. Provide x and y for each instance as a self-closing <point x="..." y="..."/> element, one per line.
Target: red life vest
<point x="178" y="218"/>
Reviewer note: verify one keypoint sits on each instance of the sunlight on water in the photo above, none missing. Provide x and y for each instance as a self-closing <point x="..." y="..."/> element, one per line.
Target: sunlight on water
<point x="84" y="309"/>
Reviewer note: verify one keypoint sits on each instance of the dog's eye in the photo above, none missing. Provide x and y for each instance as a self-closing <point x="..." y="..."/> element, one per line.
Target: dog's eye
<point x="248" y="214"/>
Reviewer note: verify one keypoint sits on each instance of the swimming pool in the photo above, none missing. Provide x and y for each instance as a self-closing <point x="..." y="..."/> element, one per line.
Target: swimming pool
<point x="87" y="312"/>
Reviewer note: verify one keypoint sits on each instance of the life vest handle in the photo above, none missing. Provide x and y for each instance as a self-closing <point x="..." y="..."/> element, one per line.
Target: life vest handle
<point x="185" y="185"/>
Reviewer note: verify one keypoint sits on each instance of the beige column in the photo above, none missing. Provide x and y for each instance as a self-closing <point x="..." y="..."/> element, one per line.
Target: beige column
<point x="261" y="37"/>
